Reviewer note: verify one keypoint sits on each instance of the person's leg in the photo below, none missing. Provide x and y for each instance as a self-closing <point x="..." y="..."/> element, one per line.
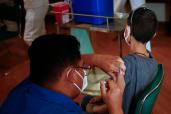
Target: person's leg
<point x="136" y="3"/>
<point x="43" y="23"/>
<point x="122" y="7"/>
<point x="119" y="5"/>
<point x="28" y="26"/>
<point x="35" y="25"/>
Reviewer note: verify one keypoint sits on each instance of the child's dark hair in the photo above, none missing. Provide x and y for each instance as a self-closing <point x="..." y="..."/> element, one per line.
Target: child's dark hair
<point x="143" y="24"/>
<point x="50" y="54"/>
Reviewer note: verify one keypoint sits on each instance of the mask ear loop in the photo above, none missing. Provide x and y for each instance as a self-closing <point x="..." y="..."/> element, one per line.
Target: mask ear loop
<point x="84" y="81"/>
<point x="77" y="87"/>
<point x="75" y="83"/>
<point x="78" y="74"/>
<point x="130" y="29"/>
<point x="68" y="72"/>
<point x="131" y="23"/>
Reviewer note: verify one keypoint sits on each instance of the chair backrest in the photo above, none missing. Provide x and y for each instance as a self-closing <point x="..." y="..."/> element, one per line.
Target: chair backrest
<point x="146" y="101"/>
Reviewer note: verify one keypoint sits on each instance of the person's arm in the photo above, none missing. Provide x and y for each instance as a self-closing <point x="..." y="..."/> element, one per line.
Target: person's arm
<point x="111" y="99"/>
<point x="113" y="93"/>
<point x="108" y="63"/>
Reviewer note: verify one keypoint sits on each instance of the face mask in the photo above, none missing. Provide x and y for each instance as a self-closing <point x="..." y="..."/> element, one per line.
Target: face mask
<point x="127" y="35"/>
<point x="85" y="82"/>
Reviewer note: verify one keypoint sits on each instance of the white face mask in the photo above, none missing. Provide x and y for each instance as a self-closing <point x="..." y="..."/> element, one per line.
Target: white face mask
<point x="127" y="33"/>
<point x="85" y="82"/>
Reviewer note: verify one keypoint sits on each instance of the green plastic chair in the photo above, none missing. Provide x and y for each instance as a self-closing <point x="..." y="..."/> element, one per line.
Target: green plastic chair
<point x="147" y="100"/>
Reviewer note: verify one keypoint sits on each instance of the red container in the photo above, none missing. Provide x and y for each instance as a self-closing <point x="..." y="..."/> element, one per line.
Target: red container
<point x="61" y="7"/>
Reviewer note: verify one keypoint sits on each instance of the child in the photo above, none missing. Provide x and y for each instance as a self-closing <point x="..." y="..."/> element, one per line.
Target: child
<point x="140" y="63"/>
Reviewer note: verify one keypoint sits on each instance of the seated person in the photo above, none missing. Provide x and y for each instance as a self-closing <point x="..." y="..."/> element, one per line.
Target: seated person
<point x="140" y="63"/>
<point x="141" y="66"/>
<point x="57" y="76"/>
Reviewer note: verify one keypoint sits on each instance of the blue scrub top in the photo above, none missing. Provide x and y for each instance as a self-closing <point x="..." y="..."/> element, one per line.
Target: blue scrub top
<point x="29" y="98"/>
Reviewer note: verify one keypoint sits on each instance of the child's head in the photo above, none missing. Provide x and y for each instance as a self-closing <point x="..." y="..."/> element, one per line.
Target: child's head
<point x="141" y="24"/>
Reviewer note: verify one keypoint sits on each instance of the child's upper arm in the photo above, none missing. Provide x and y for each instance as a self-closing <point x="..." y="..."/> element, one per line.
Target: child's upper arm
<point x="129" y="65"/>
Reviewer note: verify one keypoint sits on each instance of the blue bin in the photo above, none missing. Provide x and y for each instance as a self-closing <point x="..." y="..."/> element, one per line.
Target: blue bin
<point x="92" y="7"/>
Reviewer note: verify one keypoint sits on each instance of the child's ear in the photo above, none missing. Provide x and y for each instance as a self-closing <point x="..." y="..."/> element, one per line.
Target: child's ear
<point x="127" y="32"/>
<point x="127" y="35"/>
